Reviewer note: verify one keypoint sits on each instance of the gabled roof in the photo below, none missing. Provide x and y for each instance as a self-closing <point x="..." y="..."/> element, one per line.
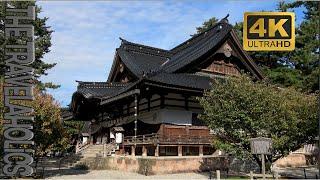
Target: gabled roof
<point x="196" y="47"/>
<point x="197" y="37"/>
<point x="135" y="47"/>
<point x="139" y="59"/>
<point x="140" y="63"/>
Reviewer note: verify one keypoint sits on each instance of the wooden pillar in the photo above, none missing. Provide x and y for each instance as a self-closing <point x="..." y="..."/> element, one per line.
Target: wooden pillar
<point x="162" y="101"/>
<point x="144" y="150"/>
<point x="251" y="175"/>
<point x="128" y="109"/>
<point x="149" y="102"/>
<point x="91" y="139"/>
<point x="218" y="174"/>
<point x="201" y="150"/>
<point x="263" y="167"/>
<point x="135" y="118"/>
<point x="186" y="102"/>
<point x="133" y="151"/>
<point x="156" y="151"/>
<point x="179" y="150"/>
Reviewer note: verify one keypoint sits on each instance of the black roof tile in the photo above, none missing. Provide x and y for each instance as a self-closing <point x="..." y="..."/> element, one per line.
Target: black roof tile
<point x="99" y="89"/>
<point x="130" y="46"/>
<point x="140" y="63"/>
<point x="197" y="47"/>
<point x="182" y="79"/>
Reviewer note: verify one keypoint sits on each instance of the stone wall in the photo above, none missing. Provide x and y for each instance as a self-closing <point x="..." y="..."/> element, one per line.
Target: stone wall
<point x="292" y="160"/>
<point x="158" y="165"/>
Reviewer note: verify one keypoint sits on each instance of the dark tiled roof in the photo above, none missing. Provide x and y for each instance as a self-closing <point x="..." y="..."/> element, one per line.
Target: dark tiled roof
<point x="99" y="89"/>
<point x="130" y="46"/>
<point x="182" y="79"/>
<point x="139" y="58"/>
<point x="143" y="59"/>
<point x="196" y="47"/>
<point x="159" y="65"/>
<point x="140" y="63"/>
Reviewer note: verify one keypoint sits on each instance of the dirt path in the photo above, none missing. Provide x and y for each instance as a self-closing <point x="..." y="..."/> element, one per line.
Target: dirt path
<point x="112" y="174"/>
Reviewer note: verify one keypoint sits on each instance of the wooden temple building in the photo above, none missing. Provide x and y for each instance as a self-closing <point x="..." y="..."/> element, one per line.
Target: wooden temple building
<point x="148" y="105"/>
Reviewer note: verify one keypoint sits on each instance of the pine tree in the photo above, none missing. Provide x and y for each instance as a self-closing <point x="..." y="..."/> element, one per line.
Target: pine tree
<point x="206" y="25"/>
<point x="306" y="55"/>
<point x="42" y="34"/>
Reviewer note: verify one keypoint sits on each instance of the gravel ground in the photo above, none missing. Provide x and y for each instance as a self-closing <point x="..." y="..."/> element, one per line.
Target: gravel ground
<point x="112" y="174"/>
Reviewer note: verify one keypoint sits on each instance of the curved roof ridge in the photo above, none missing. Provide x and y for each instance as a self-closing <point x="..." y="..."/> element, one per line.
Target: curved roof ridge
<point x="191" y="40"/>
<point x="196" y="49"/>
<point x="83" y="84"/>
<point x="141" y="46"/>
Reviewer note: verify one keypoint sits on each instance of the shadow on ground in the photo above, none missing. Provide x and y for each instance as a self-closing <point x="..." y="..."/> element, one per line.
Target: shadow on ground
<point x="63" y="172"/>
<point x="299" y="173"/>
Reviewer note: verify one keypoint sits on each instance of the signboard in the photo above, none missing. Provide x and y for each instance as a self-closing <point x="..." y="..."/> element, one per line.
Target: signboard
<point x="268" y="31"/>
<point x="119" y="138"/>
<point x="261" y="145"/>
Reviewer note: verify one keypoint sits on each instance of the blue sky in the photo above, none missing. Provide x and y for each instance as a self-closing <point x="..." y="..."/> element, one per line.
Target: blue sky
<point x="86" y="34"/>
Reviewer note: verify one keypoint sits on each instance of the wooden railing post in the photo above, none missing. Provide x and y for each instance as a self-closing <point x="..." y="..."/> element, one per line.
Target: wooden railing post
<point x="201" y="150"/>
<point x="133" y="151"/>
<point x="179" y="150"/>
<point x="156" y="153"/>
<point x="144" y="150"/>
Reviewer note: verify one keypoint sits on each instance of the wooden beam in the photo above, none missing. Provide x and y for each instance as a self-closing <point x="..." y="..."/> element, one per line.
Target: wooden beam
<point x="120" y="96"/>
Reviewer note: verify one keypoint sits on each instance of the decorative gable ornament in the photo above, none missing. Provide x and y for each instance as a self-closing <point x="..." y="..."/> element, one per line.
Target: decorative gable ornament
<point x="227" y="50"/>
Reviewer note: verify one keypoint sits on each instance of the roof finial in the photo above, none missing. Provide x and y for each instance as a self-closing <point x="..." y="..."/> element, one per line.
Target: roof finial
<point x="225" y="19"/>
<point x="123" y="40"/>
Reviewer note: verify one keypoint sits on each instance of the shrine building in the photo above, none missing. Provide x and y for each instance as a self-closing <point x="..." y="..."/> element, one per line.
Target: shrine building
<point x="148" y="105"/>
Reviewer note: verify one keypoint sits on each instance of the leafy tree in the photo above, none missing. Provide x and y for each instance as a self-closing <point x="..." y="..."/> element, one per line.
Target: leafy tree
<point x="48" y="123"/>
<point x="48" y="128"/>
<point x="238" y="109"/>
<point x="299" y="68"/>
<point x="49" y="132"/>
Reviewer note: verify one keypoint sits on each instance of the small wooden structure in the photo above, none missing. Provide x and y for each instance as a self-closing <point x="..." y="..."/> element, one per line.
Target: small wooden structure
<point x="262" y="146"/>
